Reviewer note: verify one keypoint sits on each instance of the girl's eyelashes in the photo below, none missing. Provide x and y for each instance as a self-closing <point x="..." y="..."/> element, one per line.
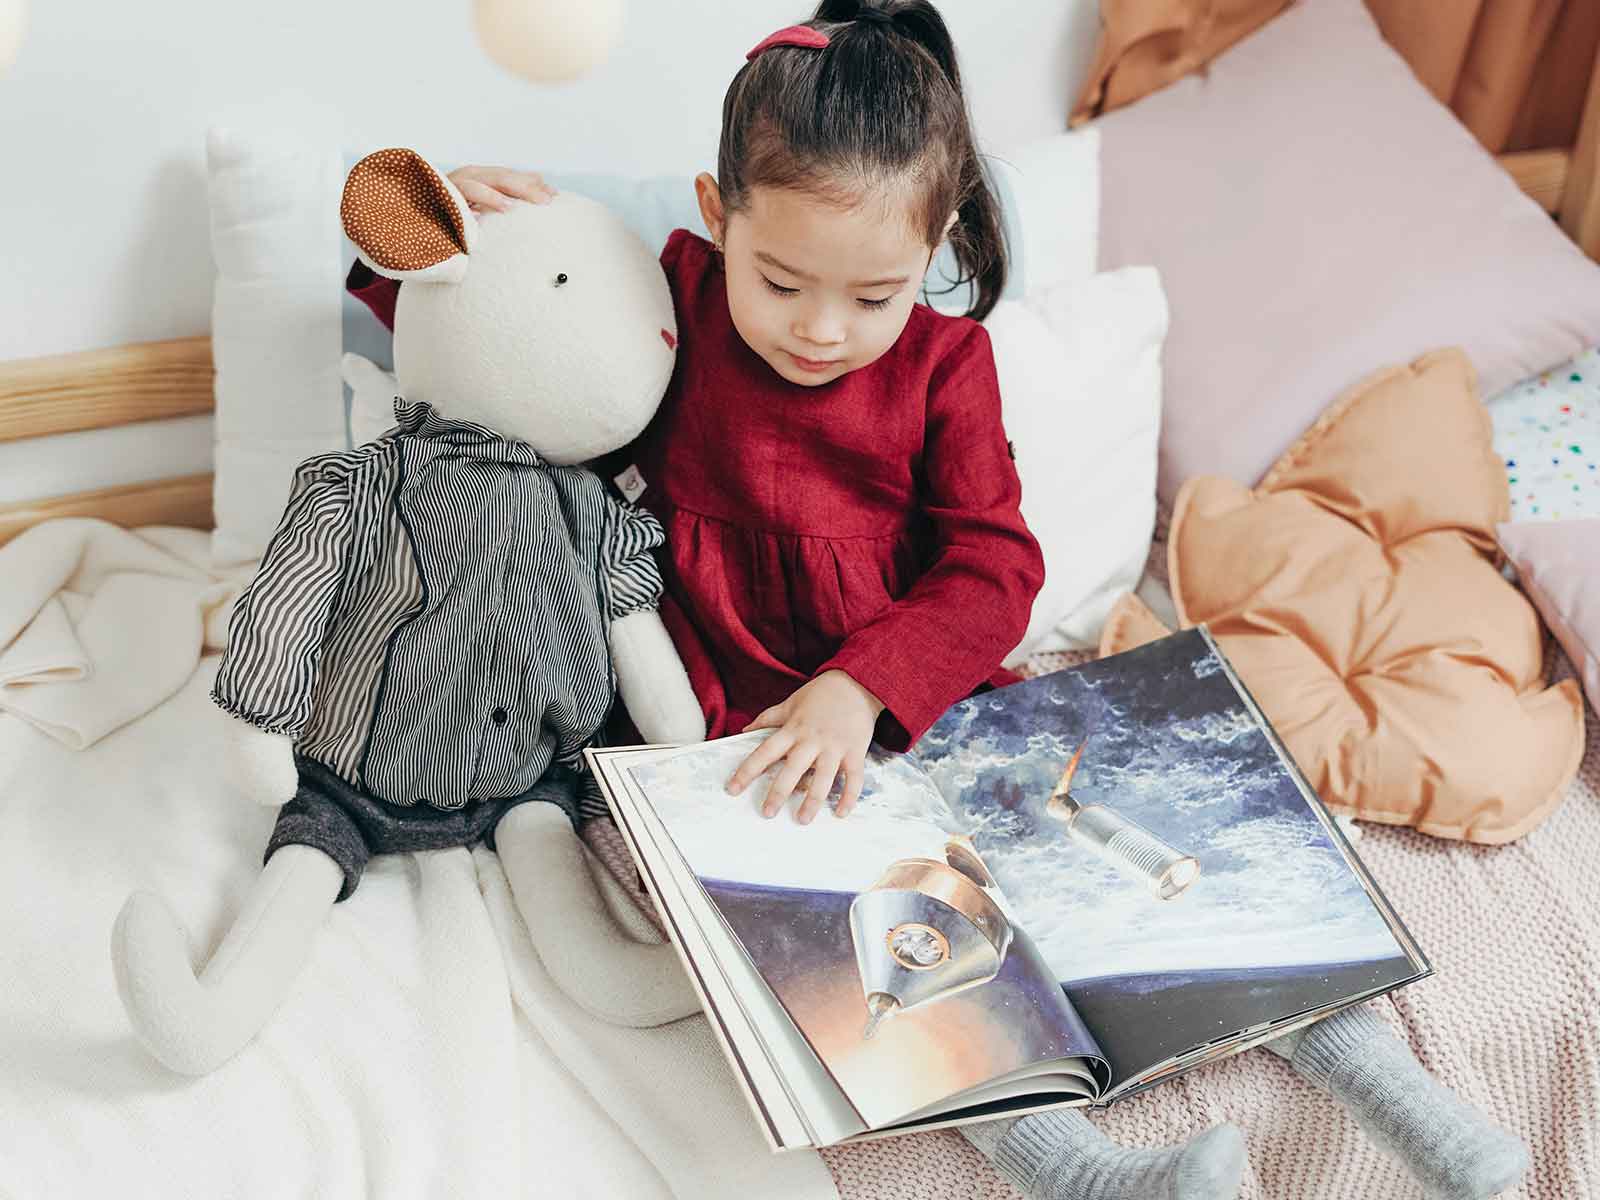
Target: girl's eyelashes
<point x="778" y="289"/>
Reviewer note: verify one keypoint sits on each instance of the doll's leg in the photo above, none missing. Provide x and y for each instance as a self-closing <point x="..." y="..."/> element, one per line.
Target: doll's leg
<point x="195" y="1025"/>
<point x="1060" y="1155"/>
<point x="1454" y="1151"/>
<point x="612" y="974"/>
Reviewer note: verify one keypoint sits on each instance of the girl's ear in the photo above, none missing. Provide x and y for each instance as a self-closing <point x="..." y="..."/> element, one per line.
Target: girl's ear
<point x="949" y="225"/>
<point x="709" y="195"/>
<point x="407" y="220"/>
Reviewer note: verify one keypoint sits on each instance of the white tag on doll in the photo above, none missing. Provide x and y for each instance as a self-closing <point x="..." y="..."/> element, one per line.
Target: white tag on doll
<point x="631" y="484"/>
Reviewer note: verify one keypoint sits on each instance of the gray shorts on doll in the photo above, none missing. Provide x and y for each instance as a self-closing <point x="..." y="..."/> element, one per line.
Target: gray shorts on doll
<point x="350" y="826"/>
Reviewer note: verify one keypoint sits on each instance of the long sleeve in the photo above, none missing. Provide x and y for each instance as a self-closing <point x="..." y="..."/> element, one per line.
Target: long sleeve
<point x="970" y="607"/>
<point x="375" y="291"/>
<point x="268" y="674"/>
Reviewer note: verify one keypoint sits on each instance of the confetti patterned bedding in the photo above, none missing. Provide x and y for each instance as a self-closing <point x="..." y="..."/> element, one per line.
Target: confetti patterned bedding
<point x="1547" y="432"/>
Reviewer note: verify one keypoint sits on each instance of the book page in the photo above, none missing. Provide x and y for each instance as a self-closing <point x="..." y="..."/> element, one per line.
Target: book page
<point x="744" y="1006"/>
<point x="880" y="933"/>
<point x="777" y="1108"/>
<point x="1184" y="886"/>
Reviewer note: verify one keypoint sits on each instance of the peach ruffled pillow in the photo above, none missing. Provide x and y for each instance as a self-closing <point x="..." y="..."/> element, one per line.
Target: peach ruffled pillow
<point x="1357" y="591"/>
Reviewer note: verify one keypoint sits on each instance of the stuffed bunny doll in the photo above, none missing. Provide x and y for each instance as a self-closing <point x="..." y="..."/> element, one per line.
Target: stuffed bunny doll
<point x="445" y="615"/>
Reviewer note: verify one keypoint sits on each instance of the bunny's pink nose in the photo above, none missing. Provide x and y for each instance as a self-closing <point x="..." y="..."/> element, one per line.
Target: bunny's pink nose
<point x="672" y="342"/>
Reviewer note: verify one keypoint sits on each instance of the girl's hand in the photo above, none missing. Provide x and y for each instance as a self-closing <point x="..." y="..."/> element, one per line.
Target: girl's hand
<point x="494" y="188"/>
<point x="825" y="727"/>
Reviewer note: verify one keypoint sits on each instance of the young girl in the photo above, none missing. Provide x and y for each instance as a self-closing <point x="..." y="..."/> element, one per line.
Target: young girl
<point x="845" y="557"/>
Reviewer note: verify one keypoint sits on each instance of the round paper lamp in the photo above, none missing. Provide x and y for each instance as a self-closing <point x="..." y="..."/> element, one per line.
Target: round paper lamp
<point x="13" y="20"/>
<point x="546" y="41"/>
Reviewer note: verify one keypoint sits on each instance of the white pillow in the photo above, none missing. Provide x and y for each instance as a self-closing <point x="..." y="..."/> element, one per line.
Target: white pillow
<point x="1055" y="186"/>
<point x="275" y="332"/>
<point x="1049" y="193"/>
<point x="1080" y="384"/>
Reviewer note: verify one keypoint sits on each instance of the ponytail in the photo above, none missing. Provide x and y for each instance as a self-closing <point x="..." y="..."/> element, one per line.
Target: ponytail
<point x="978" y="238"/>
<point x="883" y="101"/>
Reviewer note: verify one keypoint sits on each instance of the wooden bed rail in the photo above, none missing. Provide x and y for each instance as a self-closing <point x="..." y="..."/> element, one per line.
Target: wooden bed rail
<point x="103" y="389"/>
<point x="182" y="501"/>
<point x="98" y="389"/>
<point x="1540" y="173"/>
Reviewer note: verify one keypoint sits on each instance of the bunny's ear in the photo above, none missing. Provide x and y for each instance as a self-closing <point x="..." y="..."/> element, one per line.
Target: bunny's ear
<point x="407" y="220"/>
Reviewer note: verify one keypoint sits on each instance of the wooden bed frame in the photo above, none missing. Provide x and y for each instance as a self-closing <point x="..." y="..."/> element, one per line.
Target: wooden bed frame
<point x="1567" y="182"/>
<point x="102" y="389"/>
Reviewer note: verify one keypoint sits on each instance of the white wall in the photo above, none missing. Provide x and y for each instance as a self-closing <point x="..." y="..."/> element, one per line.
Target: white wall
<point x="103" y="218"/>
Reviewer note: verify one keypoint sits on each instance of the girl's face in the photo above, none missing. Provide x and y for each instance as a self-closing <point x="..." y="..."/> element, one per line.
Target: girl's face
<point x="815" y="289"/>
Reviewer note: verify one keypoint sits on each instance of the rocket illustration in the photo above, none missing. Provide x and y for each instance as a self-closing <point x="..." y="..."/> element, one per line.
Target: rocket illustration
<point x="1125" y="844"/>
<point x="928" y="929"/>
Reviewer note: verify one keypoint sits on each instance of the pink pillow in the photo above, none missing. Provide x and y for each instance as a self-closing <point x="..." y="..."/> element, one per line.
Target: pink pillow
<point x="1559" y="564"/>
<point x="1315" y="214"/>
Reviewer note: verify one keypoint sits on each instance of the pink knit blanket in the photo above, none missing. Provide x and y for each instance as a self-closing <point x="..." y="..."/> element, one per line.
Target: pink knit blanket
<point x="1511" y="1020"/>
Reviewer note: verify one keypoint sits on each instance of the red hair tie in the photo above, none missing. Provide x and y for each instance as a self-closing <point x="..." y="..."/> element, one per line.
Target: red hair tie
<point x="802" y="36"/>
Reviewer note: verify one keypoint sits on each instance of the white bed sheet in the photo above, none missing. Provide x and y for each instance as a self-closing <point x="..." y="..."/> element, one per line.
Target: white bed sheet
<point x="397" y="1067"/>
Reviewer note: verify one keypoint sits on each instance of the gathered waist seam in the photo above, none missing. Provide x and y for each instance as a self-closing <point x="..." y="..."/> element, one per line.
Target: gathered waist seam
<point x="894" y="534"/>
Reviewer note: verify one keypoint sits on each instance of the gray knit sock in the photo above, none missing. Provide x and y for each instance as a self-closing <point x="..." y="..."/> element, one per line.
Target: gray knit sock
<point x="1060" y="1155"/>
<point x="1454" y="1151"/>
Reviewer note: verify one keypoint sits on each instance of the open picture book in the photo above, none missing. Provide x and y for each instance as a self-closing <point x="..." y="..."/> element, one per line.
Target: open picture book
<point x="1071" y="889"/>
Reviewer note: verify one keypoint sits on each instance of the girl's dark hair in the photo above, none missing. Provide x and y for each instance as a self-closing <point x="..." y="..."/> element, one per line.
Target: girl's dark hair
<point x="881" y="105"/>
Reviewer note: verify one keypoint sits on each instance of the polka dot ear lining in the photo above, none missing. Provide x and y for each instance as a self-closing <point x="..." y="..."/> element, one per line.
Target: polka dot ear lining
<point x="400" y="212"/>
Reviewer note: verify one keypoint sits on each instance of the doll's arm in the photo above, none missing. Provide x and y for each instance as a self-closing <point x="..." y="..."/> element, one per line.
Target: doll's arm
<point x="259" y="764"/>
<point x="652" y="680"/>
<point x="373" y="392"/>
<point x="268" y="675"/>
<point x="650" y="676"/>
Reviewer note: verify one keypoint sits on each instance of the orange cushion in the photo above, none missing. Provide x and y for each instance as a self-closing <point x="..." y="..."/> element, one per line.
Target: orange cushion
<point x="1357" y="592"/>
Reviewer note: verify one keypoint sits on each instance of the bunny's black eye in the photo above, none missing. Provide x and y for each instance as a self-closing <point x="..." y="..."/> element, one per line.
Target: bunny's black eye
<point x="561" y="278"/>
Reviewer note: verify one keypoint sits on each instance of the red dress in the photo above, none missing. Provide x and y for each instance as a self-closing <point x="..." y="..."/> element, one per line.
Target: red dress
<point x="869" y="524"/>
